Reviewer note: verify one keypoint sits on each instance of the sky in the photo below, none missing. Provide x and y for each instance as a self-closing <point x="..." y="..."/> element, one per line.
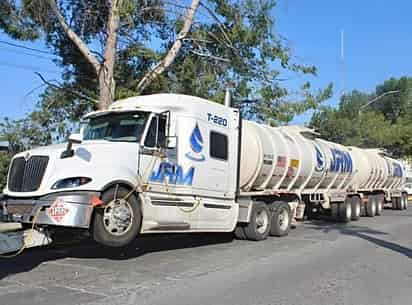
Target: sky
<point x="377" y="46"/>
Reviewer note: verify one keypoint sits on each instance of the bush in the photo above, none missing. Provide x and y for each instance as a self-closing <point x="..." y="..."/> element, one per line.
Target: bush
<point x="4" y="167"/>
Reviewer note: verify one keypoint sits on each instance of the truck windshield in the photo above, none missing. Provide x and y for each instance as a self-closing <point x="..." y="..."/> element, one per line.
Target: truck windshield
<point x="120" y="127"/>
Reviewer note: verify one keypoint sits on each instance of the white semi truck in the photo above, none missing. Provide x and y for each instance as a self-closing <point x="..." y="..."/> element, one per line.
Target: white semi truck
<point x="175" y="163"/>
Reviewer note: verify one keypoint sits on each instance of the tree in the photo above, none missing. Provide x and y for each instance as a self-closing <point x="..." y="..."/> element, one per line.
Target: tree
<point x="217" y="42"/>
<point x="385" y="123"/>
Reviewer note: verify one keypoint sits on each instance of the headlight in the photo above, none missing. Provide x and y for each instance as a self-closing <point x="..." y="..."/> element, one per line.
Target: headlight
<point x="71" y="182"/>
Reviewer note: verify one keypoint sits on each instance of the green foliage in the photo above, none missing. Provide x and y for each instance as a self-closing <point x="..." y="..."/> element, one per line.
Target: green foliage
<point x="385" y="123"/>
<point x="233" y="43"/>
<point x="4" y="167"/>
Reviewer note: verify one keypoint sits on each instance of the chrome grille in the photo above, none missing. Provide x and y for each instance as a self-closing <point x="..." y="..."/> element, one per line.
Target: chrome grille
<point x="26" y="176"/>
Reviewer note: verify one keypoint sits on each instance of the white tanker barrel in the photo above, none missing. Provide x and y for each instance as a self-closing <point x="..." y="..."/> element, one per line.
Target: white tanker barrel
<point x="282" y="159"/>
<point x="397" y="174"/>
<point x="339" y="164"/>
<point x="362" y="167"/>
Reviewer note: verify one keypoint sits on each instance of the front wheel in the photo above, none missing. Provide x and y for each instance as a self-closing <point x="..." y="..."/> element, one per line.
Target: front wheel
<point x="117" y="222"/>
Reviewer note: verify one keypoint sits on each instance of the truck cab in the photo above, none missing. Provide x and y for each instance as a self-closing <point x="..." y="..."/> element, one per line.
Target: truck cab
<point x="148" y="164"/>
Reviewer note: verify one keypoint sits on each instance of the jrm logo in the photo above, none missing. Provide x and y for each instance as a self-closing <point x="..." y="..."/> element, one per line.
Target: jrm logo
<point x="172" y="174"/>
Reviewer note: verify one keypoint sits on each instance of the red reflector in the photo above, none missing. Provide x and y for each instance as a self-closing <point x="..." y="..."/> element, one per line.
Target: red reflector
<point x="96" y="201"/>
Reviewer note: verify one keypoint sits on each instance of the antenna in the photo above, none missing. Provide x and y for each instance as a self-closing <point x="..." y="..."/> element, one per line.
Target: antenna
<point x="342" y="65"/>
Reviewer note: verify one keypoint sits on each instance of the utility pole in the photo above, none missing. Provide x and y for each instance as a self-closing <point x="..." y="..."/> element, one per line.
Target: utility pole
<point x="342" y="65"/>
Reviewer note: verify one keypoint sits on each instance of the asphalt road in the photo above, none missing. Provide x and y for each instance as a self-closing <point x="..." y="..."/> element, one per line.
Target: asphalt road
<point x="366" y="262"/>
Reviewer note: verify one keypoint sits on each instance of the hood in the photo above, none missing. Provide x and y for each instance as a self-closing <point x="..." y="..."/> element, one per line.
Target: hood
<point x="100" y="160"/>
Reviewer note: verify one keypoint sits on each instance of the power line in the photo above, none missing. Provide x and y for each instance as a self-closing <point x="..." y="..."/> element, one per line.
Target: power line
<point x="24" y="53"/>
<point x="28" y="68"/>
<point x="24" y="47"/>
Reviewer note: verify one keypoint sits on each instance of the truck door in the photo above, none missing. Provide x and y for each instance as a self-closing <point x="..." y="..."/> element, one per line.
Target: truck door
<point x="211" y="150"/>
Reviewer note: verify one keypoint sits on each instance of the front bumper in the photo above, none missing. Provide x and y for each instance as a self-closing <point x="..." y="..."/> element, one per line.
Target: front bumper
<point x="71" y="209"/>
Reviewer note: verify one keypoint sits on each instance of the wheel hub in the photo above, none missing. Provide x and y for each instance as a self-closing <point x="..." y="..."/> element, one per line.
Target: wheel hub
<point x="283" y="220"/>
<point x="118" y="217"/>
<point x="262" y="221"/>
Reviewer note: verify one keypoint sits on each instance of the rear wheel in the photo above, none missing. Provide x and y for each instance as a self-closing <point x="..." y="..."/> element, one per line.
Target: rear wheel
<point x="281" y="219"/>
<point x="356" y="208"/>
<point x="379" y="205"/>
<point x="371" y="206"/>
<point x="259" y="226"/>
<point x="334" y="210"/>
<point x="240" y="232"/>
<point x="117" y="222"/>
<point x="345" y="210"/>
<point x="396" y="203"/>
<point x="405" y="198"/>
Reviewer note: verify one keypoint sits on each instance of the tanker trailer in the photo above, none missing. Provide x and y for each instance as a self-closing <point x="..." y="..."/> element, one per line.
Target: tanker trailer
<point x="292" y="163"/>
<point x="379" y="181"/>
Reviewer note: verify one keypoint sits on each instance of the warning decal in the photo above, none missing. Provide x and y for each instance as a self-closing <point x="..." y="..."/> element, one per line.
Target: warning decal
<point x="58" y="210"/>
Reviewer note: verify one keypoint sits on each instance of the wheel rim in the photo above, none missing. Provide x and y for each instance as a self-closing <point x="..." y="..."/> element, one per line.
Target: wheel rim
<point x="118" y="217"/>
<point x="262" y="221"/>
<point x="348" y="211"/>
<point x="283" y="220"/>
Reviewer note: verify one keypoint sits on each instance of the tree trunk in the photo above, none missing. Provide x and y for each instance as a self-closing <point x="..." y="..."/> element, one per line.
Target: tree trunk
<point x="173" y="52"/>
<point x="106" y="89"/>
<point x="105" y="70"/>
<point x="107" y="84"/>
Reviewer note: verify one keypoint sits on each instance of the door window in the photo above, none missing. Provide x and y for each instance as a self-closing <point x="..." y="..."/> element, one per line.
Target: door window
<point x="156" y="134"/>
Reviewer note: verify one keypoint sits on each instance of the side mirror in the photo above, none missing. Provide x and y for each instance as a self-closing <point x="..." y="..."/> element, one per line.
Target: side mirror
<point x="4" y="146"/>
<point x="75" y="138"/>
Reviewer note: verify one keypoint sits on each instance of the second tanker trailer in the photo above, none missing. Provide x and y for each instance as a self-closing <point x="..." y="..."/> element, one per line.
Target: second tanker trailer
<point x="175" y="163"/>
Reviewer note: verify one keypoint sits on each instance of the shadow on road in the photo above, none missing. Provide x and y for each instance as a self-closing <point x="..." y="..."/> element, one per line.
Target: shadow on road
<point x="361" y="232"/>
<point x="31" y="258"/>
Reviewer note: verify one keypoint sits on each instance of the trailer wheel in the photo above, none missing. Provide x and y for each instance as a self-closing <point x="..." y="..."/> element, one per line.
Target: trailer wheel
<point x="281" y="219"/>
<point x="403" y="202"/>
<point x="334" y="210"/>
<point x="345" y="210"/>
<point x="379" y="205"/>
<point x="396" y="203"/>
<point x="356" y="208"/>
<point x="240" y="232"/>
<point x="259" y="226"/>
<point x="405" y="198"/>
<point x="371" y="206"/>
<point x="117" y="222"/>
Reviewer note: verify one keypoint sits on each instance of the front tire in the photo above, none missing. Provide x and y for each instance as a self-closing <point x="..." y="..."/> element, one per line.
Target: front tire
<point x="117" y="222"/>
